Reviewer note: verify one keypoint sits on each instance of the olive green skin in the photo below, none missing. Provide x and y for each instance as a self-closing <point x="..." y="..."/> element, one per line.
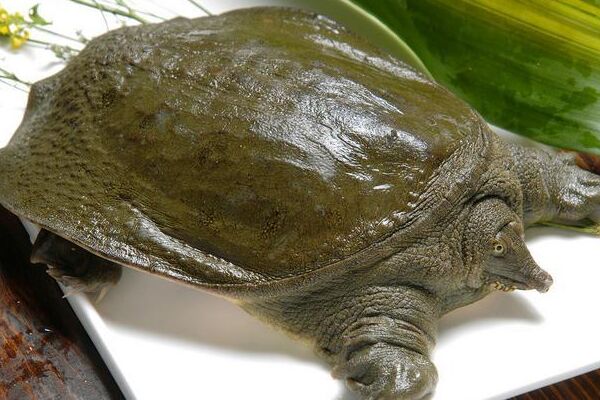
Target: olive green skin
<point x="273" y="157"/>
<point x="239" y="149"/>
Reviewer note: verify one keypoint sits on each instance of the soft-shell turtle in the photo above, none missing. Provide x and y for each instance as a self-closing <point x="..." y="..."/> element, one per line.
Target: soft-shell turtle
<point x="270" y="156"/>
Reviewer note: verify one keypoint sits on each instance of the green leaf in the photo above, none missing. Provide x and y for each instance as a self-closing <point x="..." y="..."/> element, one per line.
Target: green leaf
<point x="36" y="18"/>
<point x="587" y="226"/>
<point x="16" y="19"/>
<point x="370" y="27"/>
<point x="532" y="67"/>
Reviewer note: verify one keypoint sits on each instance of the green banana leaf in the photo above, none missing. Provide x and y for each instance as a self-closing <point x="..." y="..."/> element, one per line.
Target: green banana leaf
<point x="529" y="66"/>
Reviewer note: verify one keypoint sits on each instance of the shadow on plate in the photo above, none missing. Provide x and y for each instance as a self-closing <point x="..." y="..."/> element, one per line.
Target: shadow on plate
<point x="495" y="307"/>
<point x="536" y="233"/>
<point x="158" y="307"/>
<point x="155" y="306"/>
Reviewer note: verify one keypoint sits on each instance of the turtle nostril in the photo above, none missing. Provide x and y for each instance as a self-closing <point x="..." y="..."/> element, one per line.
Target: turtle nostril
<point x="545" y="283"/>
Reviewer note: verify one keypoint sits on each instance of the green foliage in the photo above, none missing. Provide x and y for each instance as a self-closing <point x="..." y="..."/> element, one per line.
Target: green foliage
<point x="532" y="67"/>
<point x="36" y="18"/>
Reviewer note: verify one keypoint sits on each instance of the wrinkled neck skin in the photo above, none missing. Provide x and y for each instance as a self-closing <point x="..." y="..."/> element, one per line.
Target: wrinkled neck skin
<point x="328" y="311"/>
<point x="447" y="261"/>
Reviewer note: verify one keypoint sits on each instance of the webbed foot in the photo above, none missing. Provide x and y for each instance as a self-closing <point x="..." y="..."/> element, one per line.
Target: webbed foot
<point x="577" y="192"/>
<point x="554" y="188"/>
<point x="75" y="268"/>
<point x="386" y="372"/>
<point x="386" y="359"/>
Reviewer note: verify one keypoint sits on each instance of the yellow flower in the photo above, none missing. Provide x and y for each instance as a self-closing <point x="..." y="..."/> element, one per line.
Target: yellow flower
<point x="18" y="40"/>
<point x="15" y="26"/>
<point x="4" y="31"/>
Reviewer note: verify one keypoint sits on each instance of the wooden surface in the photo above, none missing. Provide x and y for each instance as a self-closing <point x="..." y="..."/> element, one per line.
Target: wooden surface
<point x="46" y="354"/>
<point x="582" y="387"/>
<point x="44" y="351"/>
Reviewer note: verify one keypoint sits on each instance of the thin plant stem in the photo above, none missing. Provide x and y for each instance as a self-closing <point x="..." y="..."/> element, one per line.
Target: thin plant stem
<point x="201" y="7"/>
<point x="152" y="15"/>
<point x="122" y="3"/>
<point x="48" y="45"/>
<point x="39" y="28"/>
<point x="111" y="10"/>
<point x="14" y="86"/>
<point x="169" y="11"/>
<point x="10" y="76"/>
<point x="103" y="16"/>
<point x="36" y="45"/>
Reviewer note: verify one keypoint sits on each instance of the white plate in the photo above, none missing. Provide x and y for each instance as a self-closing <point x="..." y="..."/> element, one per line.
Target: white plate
<point x="162" y="340"/>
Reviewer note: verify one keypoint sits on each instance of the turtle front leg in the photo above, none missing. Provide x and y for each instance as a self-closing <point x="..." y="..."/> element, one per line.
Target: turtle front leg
<point x="386" y="358"/>
<point x="384" y="352"/>
<point x="555" y="189"/>
<point x="378" y="339"/>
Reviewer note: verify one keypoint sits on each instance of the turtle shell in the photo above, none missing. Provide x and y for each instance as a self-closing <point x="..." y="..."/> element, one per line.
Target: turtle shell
<point x="250" y="147"/>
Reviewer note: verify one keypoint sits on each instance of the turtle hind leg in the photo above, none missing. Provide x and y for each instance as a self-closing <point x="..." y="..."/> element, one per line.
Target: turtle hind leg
<point x="76" y="269"/>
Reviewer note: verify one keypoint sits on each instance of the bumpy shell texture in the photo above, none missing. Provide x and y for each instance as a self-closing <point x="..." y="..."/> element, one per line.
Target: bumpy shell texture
<point x="237" y="149"/>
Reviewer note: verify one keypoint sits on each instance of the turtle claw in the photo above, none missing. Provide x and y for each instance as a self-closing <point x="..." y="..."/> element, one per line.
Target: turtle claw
<point x="101" y="293"/>
<point x="74" y="285"/>
<point x="71" y="284"/>
<point x="77" y="270"/>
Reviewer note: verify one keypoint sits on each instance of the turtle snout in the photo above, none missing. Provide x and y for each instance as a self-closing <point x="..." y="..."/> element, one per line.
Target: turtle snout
<point x="543" y="282"/>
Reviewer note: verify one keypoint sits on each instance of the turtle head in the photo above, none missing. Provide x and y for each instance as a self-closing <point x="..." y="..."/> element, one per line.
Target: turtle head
<point x="496" y="252"/>
<point x="509" y="265"/>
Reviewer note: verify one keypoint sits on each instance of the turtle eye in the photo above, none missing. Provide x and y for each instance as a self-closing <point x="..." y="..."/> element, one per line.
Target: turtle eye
<point x="498" y="248"/>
